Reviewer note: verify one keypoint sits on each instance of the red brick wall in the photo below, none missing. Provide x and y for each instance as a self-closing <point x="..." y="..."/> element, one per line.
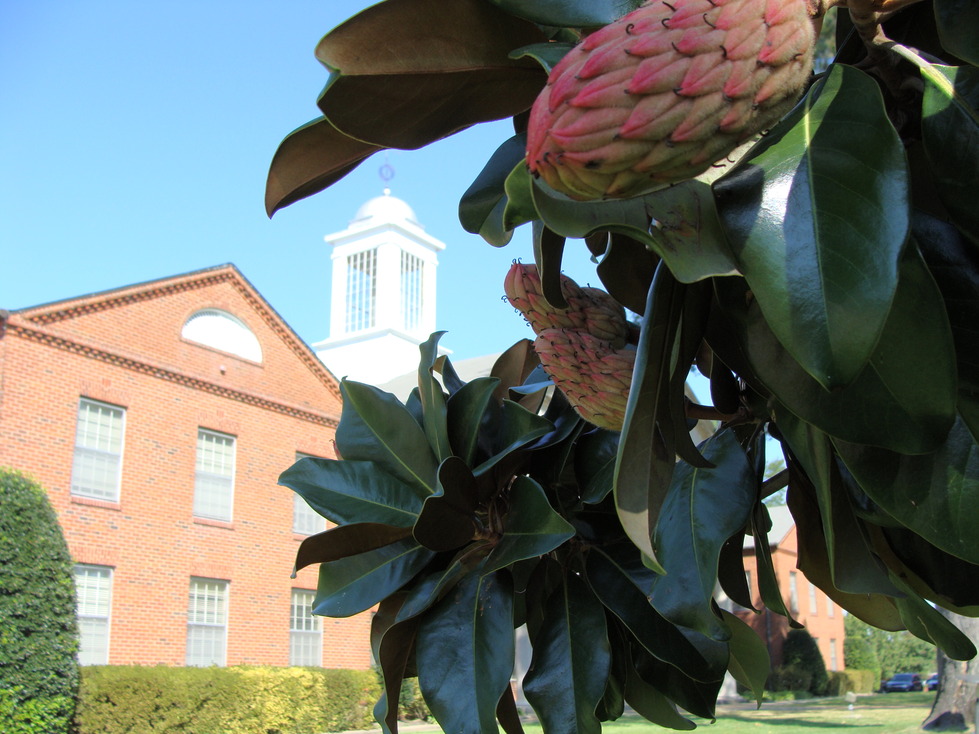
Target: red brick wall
<point x="150" y="537"/>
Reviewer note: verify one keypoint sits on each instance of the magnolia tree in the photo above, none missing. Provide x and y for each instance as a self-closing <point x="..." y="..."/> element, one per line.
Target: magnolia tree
<point x="809" y="242"/>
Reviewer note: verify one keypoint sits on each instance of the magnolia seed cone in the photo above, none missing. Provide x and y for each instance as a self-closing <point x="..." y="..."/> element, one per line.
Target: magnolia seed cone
<point x="663" y="92"/>
<point x="583" y="348"/>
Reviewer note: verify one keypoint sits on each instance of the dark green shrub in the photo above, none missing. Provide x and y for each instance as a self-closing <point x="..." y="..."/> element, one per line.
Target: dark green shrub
<point x="411" y="704"/>
<point x="791" y="678"/>
<point x="38" y="629"/>
<point x="801" y="651"/>
<point x="857" y="681"/>
<point x="243" y="700"/>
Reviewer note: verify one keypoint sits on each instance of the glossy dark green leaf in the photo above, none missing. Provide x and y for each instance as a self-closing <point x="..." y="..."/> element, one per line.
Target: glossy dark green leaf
<point x="926" y="622"/>
<point x="571" y="661"/>
<point x="545" y="54"/>
<point x="646" y="456"/>
<point x="427" y="75"/>
<point x="519" y="188"/>
<point x="695" y="697"/>
<point x="507" y="713"/>
<point x="928" y="493"/>
<point x="568" y="13"/>
<point x="375" y="426"/>
<point x="817" y="217"/>
<point x="626" y="270"/>
<point x="730" y="572"/>
<point x="693" y="327"/>
<point x="426" y="592"/>
<point x="465" y="653"/>
<point x="771" y="595"/>
<point x="518" y="428"/>
<point x="447" y="520"/>
<point x="875" y="609"/>
<point x="853" y="567"/>
<point x="957" y="19"/>
<point x="688" y="232"/>
<point x="531" y="527"/>
<point x="909" y="393"/>
<point x="950" y="130"/>
<point x="353" y="491"/>
<point x="433" y="398"/>
<point x="623" y="585"/>
<point x="310" y="159"/>
<point x="548" y="250"/>
<point x="485" y="195"/>
<point x="465" y="414"/>
<point x="353" y="584"/>
<point x="595" y="464"/>
<point x="513" y="367"/>
<point x="347" y="540"/>
<point x="704" y="507"/>
<point x="392" y="645"/>
<point x="750" y="664"/>
<point x="652" y="705"/>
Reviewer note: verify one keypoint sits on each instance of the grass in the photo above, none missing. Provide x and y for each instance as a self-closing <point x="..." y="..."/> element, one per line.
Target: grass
<point x="897" y="713"/>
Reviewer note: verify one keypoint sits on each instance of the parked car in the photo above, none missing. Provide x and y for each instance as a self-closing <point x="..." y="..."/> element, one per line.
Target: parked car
<point x="903" y="682"/>
<point x="932" y="683"/>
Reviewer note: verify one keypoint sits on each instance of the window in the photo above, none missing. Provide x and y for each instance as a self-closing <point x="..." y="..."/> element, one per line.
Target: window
<point x="793" y="591"/>
<point x="214" y="480"/>
<point x="412" y="269"/>
<point x="832" y="655"/>
<point x="830" y="608"/>
<point x="305" y="520"/>
<point x="207" y="622"/>
<point x="812" y="599"/>
<point x="98" y="451"/>
<point x="305" y="630"/>
<point x="93" y="588"/>
<point x="220" y="330"/>
<point x="361" y="290"/>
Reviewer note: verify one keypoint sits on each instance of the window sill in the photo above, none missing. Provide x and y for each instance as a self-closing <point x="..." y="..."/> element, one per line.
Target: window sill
<point x="92" y="502"/>
<point x="214" y="523"/>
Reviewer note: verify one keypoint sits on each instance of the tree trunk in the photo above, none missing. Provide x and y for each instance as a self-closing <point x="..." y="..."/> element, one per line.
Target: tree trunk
<point x="955" y="701"/>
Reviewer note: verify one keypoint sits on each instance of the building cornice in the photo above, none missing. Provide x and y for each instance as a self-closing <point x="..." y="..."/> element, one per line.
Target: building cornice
<point x="160" y="372"/>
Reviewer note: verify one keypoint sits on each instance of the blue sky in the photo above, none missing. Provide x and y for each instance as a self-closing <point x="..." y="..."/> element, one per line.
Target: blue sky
<point x="135" y="140"/>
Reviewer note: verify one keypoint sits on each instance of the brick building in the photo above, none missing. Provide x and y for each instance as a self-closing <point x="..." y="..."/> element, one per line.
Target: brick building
<point x="807" y="603"/>
<point x="158" y="416"/>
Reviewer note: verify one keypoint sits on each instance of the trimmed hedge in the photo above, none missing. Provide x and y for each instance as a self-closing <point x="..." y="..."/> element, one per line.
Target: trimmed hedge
<point x="38" y="629"/>
<point x="858" y="681"/>
<point x="801" y="653"/>
<point x="122" y="699"/>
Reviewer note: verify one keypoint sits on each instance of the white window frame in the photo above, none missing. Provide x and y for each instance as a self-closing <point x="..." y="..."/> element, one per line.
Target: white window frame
<point x="830" y="608"/>
<point x="412" y="290"/>
<point x="813" y="606"/>
<point x="94" y="611"/>
<point x="361" y="306"/>
<point x="305" y="630"/>
<point x="793" y="591"/>
<point x="103" y="451"/>
<point x="305" y="520"/>
<point x="834" y="663"/>
<point x="206" y="480"/>
<point x="207" y="621"/>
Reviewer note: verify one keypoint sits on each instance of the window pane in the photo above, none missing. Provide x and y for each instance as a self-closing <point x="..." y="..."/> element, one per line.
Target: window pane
<point x="214" y="480"/>
<point x="98" y="451"/>
<point x="412" y="269"/>
<point x="93" y="587"/>
<point x="361" y="290"/>
<point x="207" y="619"/>
<point x="305" y="630"/>
<point x="304" y="518"/>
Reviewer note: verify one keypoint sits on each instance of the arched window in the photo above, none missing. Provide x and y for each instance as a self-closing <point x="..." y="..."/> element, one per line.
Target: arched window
<point x="220" y="330"/>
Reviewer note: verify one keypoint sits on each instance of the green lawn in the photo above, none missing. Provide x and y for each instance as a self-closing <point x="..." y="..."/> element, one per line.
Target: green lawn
<point x="895" y="713"/>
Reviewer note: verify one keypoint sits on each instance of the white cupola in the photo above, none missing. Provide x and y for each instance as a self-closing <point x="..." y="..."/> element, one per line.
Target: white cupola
<point x="382" y="303"/>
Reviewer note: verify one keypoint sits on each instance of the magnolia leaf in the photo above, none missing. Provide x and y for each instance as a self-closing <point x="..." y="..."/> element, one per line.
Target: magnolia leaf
<point x="347" y="540"/>
<point x="520" y="207"/>
<point x="375" y="426"/>
<point x="465" y="653"/>
<point x="730" y="572"/>
<point x="548" y="250"/>
<point x="950" y="131"/>
<point x="956" y="19"/>
<point x="594" y="461"/>
<point x="623" y="584"/>
<point x="531" y="527"/>
<point x="546" y="54"/>
<point x="771" y="596"/>
<point x="568" y="13"/>
<point x="571" y="662"/>
<point x="427" y="75"/>
<point x="626" y="270"/>
<point x="649" y="703"/>
<point x="926" y="622"/>
<point x="518" y="427"/>
<point x="433" y="399"/>
<point x="351" y="491"/>
<point x="392" y="645"/>
<point x="433" y="587"/>
<point x="926" y="493"/>
<point x="750" y="664"/>
<point x="466" y="409"/>
<point x="817" y="216"/>
<point x="695" y="697"/>
<point x="704" y="507"/>
<point x="447" y="520"/>
<point x="310" y="159"/>
<point x="483" y="198"/>
<point x="646" y="456"/>
<point x="911" y="393"/>
<point x="507" y="713"/>
<point x="356" y="583"/>
<point x="513" y="367"/>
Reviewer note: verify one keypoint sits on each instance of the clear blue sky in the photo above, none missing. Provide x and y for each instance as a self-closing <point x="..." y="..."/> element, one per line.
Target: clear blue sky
<point x="135" y="140"/>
